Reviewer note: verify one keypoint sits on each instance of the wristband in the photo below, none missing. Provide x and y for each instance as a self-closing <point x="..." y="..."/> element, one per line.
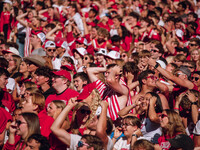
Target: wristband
<point x="156" y="66"/>
<point x="135" y="135"/>
<point x="194" y="103"/>
<point x="176" y="108"/>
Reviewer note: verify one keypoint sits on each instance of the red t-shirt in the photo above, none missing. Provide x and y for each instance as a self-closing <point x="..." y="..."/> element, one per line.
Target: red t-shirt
<point x="45" y="123"/>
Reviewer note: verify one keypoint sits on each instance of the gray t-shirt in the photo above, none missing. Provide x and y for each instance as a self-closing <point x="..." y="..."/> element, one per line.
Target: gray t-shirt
<point x="40" y="51"/>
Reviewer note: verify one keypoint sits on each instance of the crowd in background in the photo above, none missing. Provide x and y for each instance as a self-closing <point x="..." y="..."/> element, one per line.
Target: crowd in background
<point x="99" y="74"/>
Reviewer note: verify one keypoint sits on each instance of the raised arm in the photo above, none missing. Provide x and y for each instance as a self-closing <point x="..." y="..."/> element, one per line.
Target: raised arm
<point x="56" y="127"/>
<point x="49" y="34"/>
<point x="113" y="81"/>
<point x="184" y="83"/>
<point x="19" y="18"/>
<point x="102" y="124"/>
<point x="93" y="71"/>
<point x="152" y="113"/>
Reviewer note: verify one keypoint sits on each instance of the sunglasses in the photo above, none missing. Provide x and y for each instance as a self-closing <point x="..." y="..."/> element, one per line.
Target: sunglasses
<point x="152" y="77"/>
<point x="126" y="124"/>
<point x="51" y="50"/>
<point x="153" y="50"/>
<point x="192" y="44"/>
<point x="81" y="144"/>
<point x="188" y="66"/>
<point x="163" y="116"/>
<point x="19" y="122"/>
<point x="123" y="56"/>
<point x="195" y="78"/>
<point x="85" y="58"/>
<point x="83" y="111"/>
<point x="177" y="74"/>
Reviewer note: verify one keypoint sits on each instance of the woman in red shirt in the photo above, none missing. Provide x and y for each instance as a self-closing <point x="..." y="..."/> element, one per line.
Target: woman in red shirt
<point x="5" y="25"/>
<point x="171" y="124"/>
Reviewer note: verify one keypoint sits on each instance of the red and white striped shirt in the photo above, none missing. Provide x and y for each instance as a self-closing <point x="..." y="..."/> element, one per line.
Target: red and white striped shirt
<point x="109" y="95"/>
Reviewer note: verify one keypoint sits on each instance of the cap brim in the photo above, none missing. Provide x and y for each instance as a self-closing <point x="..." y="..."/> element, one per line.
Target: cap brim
<point x="35" y="61"/>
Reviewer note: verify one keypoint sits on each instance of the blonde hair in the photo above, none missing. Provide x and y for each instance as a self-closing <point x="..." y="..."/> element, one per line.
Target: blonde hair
<point x="59" y="104"/>
<point x="17" y="59"/>
<point x="38" y="99"/>
<point x="174" y="125"/>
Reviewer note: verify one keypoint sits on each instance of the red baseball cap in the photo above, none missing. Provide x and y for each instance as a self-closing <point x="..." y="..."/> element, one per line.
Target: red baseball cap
<point x="87" y="90"/>
<point x="63" y="73"/>
<point x="69" y="67"/>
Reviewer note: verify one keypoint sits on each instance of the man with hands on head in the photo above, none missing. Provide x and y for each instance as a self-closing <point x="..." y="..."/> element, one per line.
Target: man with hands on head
<point x="115" y="91"/>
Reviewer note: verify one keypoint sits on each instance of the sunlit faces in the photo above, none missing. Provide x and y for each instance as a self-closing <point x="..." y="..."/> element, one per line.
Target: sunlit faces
<point x="32" y="145"/>
<point x="124" y="56"/>
<point x="77" y="55"/>
<point x="32" y="67"/>
<point x="27" y="104"/>
<point x="82" y="145"/>
<point x="40" y="80"/>
<point x="100" y="58"/>
<point x="144" y="60"/>
<point x="195" y="55"/>
<point x="155" y="53"/>
<point x="196" y="79"/>
<point x="50" y="51"/>
<point x="193" y="45"/>
<point x="22" y="127"/>
<point x="3" y="81"/>
<point x="181" y="75"/>
<point x="23" y="67"/>
<point x="52" y="109"/>
<point x="163" y="119"/>
<point x="144" y="101"/>
<point x="151" y="80"/>
<point x="79" y="83"/>
<point x="128" y="128"/>
<point x="86" y="60"/>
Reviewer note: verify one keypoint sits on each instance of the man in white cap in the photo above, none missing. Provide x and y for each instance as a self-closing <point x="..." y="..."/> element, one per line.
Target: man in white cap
<point x="101" y="57"/>
<point x="9" y="52"/>
<point x="112" y="56"/>
<point x="36" y="40"/>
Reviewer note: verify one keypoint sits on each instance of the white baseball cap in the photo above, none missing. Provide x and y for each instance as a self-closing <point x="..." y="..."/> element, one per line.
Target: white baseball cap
<point x="102" y="51"/>
<point x="50" y="44"/>
<point x="81" y="51"/>
<point x="114" y="55"/>
<point x="42" y="36"/>
<point x="7" y="1"/>
<point x="12" y="50"/>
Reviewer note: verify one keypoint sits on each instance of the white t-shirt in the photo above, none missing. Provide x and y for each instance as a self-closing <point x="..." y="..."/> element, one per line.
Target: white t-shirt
<point x="75" y="138"/>
<point x="122" y="143"/>
<point x="151" y="131"/>
<point x="196" y="130"/>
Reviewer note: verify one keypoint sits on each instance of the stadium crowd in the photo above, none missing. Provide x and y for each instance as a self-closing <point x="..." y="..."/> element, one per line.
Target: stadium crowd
<point x="100" y="74"/>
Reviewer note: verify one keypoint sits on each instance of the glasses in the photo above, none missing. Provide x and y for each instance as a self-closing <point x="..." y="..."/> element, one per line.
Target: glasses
<point x="51" y="50"/>
<point x="153" y="50"/>
<point x="188" y="66"/>
<point x="152" y="77"/>
<point x="177" y="74"/>
<point x="83" y="111"/>
<point x="19" y="122"/>
<point x="126" y="124"/>
<point x="163" y="116"/>
<point x="81" y="144"/>
<point x="123" y="56"/>
<point x="192" y="44"/>
<point x="195" y="78"/>
<point x="85" y="58"/>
